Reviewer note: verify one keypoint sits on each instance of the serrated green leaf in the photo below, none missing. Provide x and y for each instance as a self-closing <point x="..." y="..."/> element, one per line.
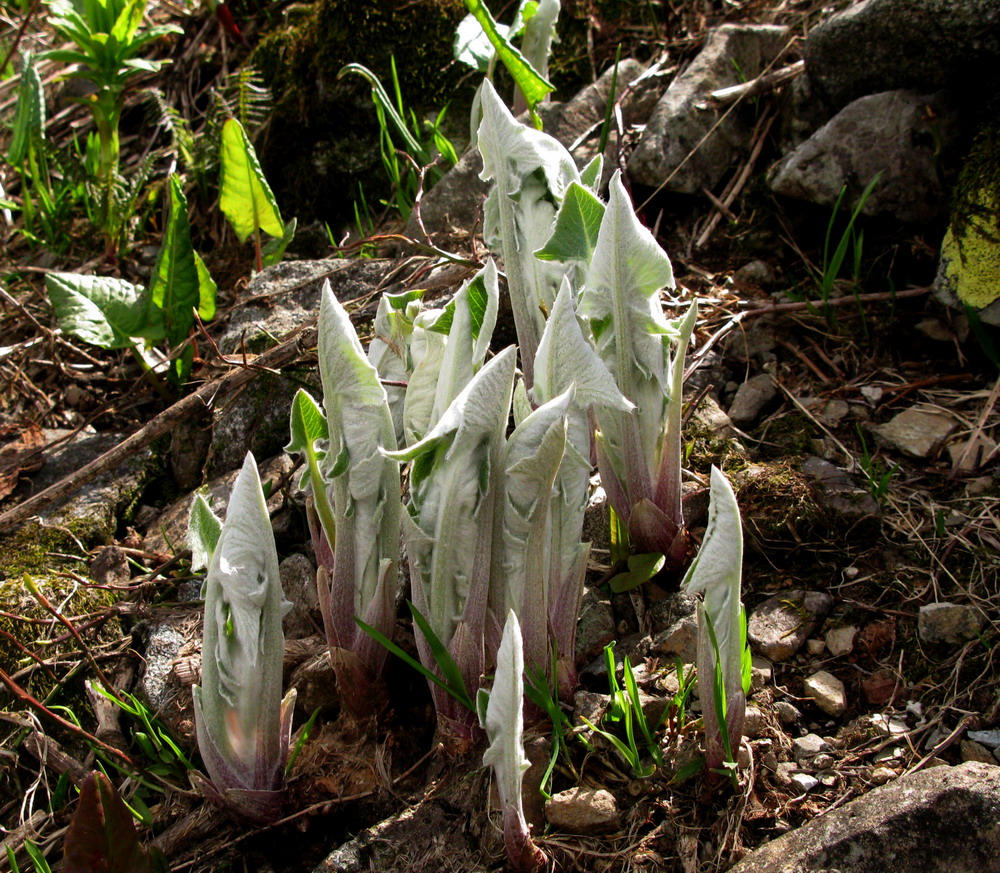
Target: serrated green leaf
<point x="245" y="197"/>
<point x="104" y="311"/>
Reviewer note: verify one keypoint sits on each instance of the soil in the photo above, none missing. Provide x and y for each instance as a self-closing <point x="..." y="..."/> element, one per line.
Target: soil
<point x="388" y="788"/>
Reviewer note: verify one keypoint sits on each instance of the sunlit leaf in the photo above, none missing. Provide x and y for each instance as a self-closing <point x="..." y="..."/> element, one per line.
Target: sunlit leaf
<point x="245" y="197"/>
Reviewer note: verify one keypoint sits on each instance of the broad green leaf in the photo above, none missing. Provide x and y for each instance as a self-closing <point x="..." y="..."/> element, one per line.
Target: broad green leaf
<point x="175" y="286"/>
<point x="101" y="837"/>
<point x="641" y="568"/>
<point x="578" y="223"/>
<point x="245" y="197"/>
<point x="29" y="119"/>
<point x="204" y="527"/>
<point x="532" y="85"/>
<point x="103" y="311"/>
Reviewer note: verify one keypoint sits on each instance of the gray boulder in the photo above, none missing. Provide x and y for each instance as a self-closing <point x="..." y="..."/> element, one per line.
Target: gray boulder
<point x="941" y="820"/>
<point x="882" y="45"/>
<point x="279" y="300"/>
<point x="671" y="146"/>
<point x="903" y="135"/>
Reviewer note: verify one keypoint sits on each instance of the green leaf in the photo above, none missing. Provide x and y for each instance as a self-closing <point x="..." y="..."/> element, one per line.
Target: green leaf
<point x="641" y="568"/>
<point x="533" y="86"/>
<point x="29" y="120"/>
<point x="207" y="290"/>
<point x="578" y="223"/>
<point x="274" y="249"/>
<point x="308" y="425"/>
<point x="456" y="690"/>
<point x="101" y="837"/>
<point x="204" y="527"/>
<point x="103" y="311"/>
<point x="590" y="176"/>
<point x="245" y="198"/>
<point x="175" y="285"/>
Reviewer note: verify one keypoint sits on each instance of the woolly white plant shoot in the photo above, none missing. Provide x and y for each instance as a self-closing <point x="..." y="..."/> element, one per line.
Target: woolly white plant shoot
<point x="723" y="657"/>
<point x="242" y="723"/>
<point x="500" y="712"/>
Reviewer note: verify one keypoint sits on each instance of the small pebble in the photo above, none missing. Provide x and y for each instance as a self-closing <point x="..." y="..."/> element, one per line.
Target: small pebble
<point x="882" y="775"/>
<point x="787" y="712"/>
<point x="827" y="692"/>
<point x="804" y="781"/>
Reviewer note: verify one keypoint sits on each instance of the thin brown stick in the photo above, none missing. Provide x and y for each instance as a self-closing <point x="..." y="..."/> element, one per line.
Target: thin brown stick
<point x="295" y="345"/>
<point x="799" y="305"/>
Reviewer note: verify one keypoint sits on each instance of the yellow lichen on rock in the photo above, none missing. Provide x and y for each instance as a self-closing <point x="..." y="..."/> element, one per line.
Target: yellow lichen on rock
<point x="971" y="262"/>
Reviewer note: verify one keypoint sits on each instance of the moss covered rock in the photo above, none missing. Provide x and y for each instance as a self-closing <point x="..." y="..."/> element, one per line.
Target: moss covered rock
<point x="324" y="137"/>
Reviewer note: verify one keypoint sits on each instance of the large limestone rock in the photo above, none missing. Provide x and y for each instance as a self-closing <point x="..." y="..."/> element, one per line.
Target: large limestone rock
<point x="672" y="146"/>
<point x="882" y="45"/>
<point x="941" y="820"/>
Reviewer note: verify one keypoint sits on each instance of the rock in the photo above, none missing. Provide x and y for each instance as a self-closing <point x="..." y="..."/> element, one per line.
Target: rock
<point x="589" y="705"/>
<point x="804" y="782"/>
<point x="953" y="623"/>
<point x="752" y="397"/>
<point x="901" y="134"/>
<point x="941" y="820"/>
<point x="452" y="204"/>
<point x="990" y="739"/>
<point x="883" y="775"/>
<point x="829" y="410"/>
<point x="970" y="252"/>
<point x="680" y="639"/>
<point x="280" y="299"/>
<point x="316" y="684"/>
<point x="754" y="721"/>
<point x="298" y="582"/>
<point x="710" y="418"/>
<point x="827" y="692"/>
<point x="880" y="687"/>
<point x="838" y="492"/>
<point x="967" y="456"/>
<point x="672" y="145"/>
<point x="583" y="811"/>
<point x="779" y="626"/>
<point x="788" y="713"/>
<point x="596" y="625"/>
<point x="840" y="640"/>
<point x="167" y="534"/>
<point x="89" y="515"/>
<point x="883" y="45"/>
<point x="756" y="273"/>
<point x="815" y="647"/>
<point x="761" y="673"/>
<point x="808" y="747"/>
<point x="916" y="433"/>
<point x="972" y="751"/>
